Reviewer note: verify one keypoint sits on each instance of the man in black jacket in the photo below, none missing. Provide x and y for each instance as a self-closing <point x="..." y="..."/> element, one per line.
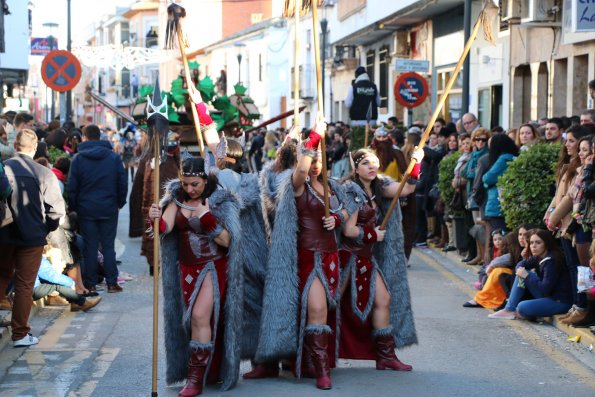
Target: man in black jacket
<point x="97" y="189"/>
<point x="37" y="207"/>
<point x="362" y="96"/>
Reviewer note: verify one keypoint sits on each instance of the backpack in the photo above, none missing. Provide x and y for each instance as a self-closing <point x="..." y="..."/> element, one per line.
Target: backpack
<point x="5" y="213"/>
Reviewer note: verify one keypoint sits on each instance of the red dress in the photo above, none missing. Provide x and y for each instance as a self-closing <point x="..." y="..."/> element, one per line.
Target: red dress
<point x="199" y="256"/>
<point x="357" y="301"/>
<point x="317" y="257"/>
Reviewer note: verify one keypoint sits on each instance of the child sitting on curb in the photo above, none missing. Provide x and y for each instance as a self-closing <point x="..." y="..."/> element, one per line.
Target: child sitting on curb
<point x="49" y="280"/>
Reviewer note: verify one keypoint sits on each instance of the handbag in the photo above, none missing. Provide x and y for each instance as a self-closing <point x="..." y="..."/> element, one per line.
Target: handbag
<point x="458" y="201"/>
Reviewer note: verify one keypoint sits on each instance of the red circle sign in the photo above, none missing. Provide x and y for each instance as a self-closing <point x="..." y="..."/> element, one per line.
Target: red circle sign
<point x="60" y="70"/>
<point x="411" y="89"/>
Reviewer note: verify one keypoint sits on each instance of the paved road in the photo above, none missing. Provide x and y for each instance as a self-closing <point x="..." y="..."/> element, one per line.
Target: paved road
<point x="107" y="352"/>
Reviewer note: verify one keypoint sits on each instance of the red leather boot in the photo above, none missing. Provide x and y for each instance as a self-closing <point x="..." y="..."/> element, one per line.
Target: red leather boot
<point x="385" y="355"/>
<point x="197" y="365"/>
<point x="318" y="344"/>
<point x="263" y="370"/>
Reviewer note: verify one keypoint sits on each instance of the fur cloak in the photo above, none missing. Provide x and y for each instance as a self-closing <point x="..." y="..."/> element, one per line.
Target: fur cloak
<point x="279" y="329"/>
<point x="254" y="253"/>
<point x="269" y="187"/>
<point x="226" y="208"/>
<point x="390" y="256"/>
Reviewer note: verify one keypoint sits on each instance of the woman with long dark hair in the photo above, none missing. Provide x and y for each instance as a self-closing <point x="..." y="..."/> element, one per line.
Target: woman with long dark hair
<point x="558" y="217"/>
<point x="202" y="278"/>
<point x="303" y="249"/>
<point x="542" y="273"/>
<point x="373" y="269"/>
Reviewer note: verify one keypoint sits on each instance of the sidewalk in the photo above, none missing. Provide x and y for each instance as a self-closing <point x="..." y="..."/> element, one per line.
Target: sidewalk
<point x="468" y="274"/>
<point x="5" y="333"/>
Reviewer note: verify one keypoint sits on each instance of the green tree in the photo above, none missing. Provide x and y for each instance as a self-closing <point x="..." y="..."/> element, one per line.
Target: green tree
<point x="525" y="186"/>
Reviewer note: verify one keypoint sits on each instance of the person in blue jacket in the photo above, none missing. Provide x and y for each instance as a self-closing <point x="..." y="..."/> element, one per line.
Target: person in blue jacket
<point x="49" y="280"/>
<point x="97" y="189"/>
<point x="543" y="274"/>
<point x="502" y="151"/>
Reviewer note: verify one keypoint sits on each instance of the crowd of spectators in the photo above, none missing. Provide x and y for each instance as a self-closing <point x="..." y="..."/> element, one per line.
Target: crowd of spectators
<point x="60" y="191"/>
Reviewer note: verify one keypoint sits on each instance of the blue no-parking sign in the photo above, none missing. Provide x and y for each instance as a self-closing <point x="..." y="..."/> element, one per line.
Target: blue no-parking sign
<point x="411" y="89"/>
<point x="60" y="70"/>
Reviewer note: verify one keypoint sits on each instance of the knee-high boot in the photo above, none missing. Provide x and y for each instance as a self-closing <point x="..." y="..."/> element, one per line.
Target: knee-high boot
<point x="385" y="351"/>
<point x="316" y="337"/>
<point x="197" y="366"/>
<point x="268" y="369"/>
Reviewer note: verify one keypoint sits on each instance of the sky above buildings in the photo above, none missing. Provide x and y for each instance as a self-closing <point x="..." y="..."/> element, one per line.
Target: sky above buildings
<point x="84" y="13"/>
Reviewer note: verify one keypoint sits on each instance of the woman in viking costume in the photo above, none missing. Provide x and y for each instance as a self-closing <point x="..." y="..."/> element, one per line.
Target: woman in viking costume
<point x="375" y="302"/>
<point x="299" y="307"/>
<point x="202" y="279"/>
<point x="271" y="176"/>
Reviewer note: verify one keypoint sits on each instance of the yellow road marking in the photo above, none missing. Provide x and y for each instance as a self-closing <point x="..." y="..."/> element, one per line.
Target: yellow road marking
<point x="53" y="334"/>
<point x="565" y="360"/>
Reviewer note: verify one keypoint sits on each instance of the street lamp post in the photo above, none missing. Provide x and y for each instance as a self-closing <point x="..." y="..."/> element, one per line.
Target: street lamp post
<point x="323" y="28"/>
<point x="51" y="40"/>
<point x="68" y="48"/>
<point x="239" y="47"/>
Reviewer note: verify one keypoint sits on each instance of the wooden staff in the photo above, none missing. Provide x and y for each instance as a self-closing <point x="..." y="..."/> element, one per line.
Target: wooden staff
<point x="175" y="13"/>
<point x="156" y="183"/>
<point x="320" y="115"/>
<point x="481" y="20"/>
<point x="296" y="67"/>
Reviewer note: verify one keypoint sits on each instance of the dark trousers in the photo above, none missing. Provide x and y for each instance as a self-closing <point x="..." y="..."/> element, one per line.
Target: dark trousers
<point x="95" y="232"/>
<point x="43" y="290"/>
<point x="22" y="263"/>
<point x="571" y="263"/>
<point x="408" y="212"/>
<point x="421" y="223"/>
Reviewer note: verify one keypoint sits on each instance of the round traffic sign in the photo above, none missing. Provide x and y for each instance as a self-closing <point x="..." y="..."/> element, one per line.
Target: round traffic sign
<point x="411" y="89"/>
<point x="60" y="70"/>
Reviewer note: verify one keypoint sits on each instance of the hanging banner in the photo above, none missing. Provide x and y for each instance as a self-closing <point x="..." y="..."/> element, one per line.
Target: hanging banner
<point x="41" y="45"/>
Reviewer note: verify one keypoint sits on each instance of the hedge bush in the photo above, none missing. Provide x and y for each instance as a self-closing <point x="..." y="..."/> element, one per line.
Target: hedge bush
<point x="525" y="186"/>
<point x="446" y="174"/>
<point x="54" y="154"/>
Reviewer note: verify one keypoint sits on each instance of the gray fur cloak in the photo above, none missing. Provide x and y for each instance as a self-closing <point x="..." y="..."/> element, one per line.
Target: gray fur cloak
<point x="226" y="208"/>
<point x="280" y="333"/>
<point x="254" y="253"/>
<point x="269" y="187"/>
<point x="390" y="257"/>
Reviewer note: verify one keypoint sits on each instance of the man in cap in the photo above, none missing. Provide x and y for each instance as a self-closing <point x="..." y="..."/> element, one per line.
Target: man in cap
<point x="362" y="95"/>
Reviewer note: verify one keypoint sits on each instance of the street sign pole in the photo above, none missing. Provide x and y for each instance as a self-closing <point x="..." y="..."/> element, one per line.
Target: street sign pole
<point x="68" y="48"/>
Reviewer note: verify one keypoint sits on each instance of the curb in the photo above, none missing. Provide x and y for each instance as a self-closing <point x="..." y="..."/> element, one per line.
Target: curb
<point x="587" y="338"/>
<point x="5" y="333"/>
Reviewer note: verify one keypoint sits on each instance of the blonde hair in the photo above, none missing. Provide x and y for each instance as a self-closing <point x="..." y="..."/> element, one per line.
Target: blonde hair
<point x="481" y="131"/>
<point x="26" y="141"/>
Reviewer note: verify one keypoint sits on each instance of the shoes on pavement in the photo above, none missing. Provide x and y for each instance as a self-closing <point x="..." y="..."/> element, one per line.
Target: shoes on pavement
<point x="467" y="259"/>
<point x="471" y="303"/>
<point x="28" y="340"/>
<point x="56" y="300"/>
<point x="421" y="244"/>
<point x="503" y="315"/>
<point x="568" y="313"/>
<point x="448" y="248"/>
<point x="5" y="304"/>
<point x="114" y="288"/>
<point x="126" y="276"/>
<point x="576" y="317"/>
<point x="90" y="303"/>
<point x="475" y="261"/>
<point x="120" y="280"/>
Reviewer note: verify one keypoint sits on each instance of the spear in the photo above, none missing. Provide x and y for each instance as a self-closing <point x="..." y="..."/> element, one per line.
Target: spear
<point x="158" y="127"/>
<point x="173" y="30"/>
<point x="291" y="7"/>
<point x="488" y="13"/>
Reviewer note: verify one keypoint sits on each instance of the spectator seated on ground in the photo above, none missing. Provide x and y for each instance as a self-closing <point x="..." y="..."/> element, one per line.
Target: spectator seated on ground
<point x="49" y="280"/>
<point x="492" y="295"/>
<point x="543" y="275"/>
